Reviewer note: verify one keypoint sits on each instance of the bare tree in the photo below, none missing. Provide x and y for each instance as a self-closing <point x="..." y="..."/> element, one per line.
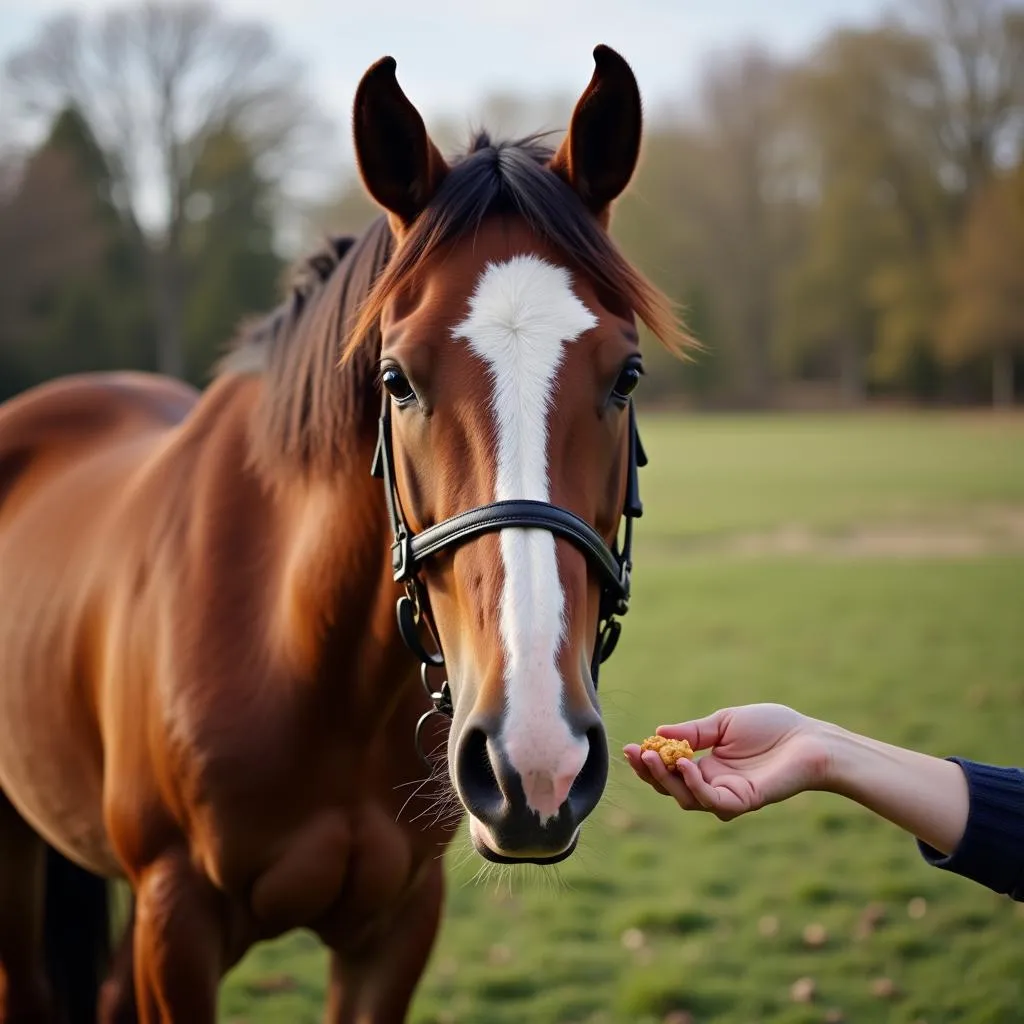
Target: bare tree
<point x="155" y="81"/>
<point x="979" y="50"/>
<point x="740" y="97"/>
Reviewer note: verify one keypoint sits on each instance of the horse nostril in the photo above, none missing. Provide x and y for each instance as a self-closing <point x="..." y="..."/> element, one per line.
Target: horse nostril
<point x="590" y="783"/>
<point x="475" y="775"/>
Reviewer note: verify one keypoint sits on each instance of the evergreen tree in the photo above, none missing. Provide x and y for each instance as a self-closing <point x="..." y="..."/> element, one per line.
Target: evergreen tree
<point x="231" y="268"/>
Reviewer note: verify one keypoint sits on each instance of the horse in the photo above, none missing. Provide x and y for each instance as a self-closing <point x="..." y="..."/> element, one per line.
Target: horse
<point x="215" y="616"/>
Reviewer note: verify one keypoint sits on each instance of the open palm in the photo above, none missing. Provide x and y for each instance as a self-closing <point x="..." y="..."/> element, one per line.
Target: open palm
<point x="759" y="754"/>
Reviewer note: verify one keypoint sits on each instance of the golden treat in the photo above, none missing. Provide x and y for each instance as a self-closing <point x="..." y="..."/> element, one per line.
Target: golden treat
<point x="668" y="750"/>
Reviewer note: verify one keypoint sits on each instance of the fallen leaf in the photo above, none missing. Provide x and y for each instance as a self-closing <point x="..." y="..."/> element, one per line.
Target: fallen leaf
<point x="271" y="984"/>
<point x="678" y="1017"/>
<point x="870" y="918"/>
<point x="803" y="990"/>
<point x="917" y="908"/>
<point x="883" y="988"/>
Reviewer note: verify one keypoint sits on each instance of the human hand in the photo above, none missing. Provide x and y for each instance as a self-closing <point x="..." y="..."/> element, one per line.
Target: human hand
<point x="759" y="754"/>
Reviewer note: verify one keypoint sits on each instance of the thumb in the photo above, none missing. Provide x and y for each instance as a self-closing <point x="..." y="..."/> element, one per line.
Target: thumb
<point x="701" y="733"/>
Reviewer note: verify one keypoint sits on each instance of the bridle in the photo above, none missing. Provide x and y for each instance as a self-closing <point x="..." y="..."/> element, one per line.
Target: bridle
<point x="409" y="550"/>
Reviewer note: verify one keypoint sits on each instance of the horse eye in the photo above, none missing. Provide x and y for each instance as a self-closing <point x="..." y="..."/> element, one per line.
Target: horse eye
<point x="627" y="382"/>
<point x="397" y="385"/>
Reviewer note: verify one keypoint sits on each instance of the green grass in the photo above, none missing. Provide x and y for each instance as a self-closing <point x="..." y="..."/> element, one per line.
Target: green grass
<point x="720" y="474"/>
<point x="661" y="911"/>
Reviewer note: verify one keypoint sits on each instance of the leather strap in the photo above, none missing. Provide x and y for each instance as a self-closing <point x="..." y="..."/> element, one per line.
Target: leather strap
<point x="504" y="515"/>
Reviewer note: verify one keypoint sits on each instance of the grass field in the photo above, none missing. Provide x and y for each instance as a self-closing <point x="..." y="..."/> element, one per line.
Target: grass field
<point x="867" y="570"/>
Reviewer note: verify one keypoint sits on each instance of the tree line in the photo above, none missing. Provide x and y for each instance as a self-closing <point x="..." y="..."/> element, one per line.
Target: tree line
<point x="837" y="227"/>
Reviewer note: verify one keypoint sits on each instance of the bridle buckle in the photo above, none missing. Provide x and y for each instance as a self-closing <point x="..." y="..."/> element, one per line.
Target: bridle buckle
<point x="402" y="562"/>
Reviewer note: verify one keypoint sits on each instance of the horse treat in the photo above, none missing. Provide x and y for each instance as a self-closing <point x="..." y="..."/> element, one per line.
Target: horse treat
<point x="668" y="750"/>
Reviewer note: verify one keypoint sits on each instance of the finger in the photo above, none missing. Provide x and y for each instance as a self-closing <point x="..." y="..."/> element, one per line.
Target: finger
<point x="701" y="733"/>
<point x="641" y="769"/>
<point x="720" y="800"/>
<point x="670" y="782"/>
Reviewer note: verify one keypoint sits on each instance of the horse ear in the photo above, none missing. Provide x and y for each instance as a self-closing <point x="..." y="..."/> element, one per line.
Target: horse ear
<point x="400" y="167"/>
<point x="600" y="151"/>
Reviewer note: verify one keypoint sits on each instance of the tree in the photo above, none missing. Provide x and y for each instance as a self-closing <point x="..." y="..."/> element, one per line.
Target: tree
<point x="156" y="81"/>
<point x="986" y="310"/>
<point x="50" y="237"/>
<point x="349" y="212"/>
<point x="863" y="109"/>
<point x="825" y="316"/>
<point x="232" y="269"/>
<point x="978" y="49"/>
<point x="741" y="214"/>
<point x="116" y="283"/>
<point x="658" y="226"/>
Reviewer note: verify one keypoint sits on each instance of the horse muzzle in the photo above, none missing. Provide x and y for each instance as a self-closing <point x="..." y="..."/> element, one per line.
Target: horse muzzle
<point x="527" y="815"/>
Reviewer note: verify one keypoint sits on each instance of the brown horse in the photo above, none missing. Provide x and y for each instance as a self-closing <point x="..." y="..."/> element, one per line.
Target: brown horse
<point x="203" y="689"/>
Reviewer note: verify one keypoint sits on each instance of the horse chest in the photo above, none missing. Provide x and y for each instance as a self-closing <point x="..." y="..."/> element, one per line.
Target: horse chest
<point x="341" y="871"/>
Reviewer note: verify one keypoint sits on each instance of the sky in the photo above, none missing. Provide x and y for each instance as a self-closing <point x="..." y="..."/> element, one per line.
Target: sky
<point x="452" y="54"/>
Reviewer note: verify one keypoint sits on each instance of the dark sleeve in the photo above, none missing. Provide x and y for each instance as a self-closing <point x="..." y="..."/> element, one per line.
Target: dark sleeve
<point x="991" y="851"/>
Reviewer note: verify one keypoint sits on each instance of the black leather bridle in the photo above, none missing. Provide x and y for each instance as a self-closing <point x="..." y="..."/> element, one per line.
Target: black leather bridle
<point x="409" y="549"/>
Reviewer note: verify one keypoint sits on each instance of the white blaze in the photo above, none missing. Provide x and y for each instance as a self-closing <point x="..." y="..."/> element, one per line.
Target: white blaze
<point x="521" y="315"/>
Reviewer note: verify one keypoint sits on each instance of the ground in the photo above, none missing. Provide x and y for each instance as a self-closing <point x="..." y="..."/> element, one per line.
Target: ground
<point x="865" y="569"/>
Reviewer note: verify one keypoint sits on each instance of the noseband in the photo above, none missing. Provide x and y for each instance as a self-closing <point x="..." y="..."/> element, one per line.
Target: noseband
<point x="409" y="550"/>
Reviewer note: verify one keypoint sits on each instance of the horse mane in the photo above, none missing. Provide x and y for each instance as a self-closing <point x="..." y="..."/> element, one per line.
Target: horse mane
<point x="318" y="351"/>
<point x="310" y="405"/>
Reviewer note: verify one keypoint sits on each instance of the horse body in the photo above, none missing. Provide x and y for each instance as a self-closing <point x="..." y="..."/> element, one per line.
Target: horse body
<point x="159" y="587"/>
<point x="202" y="686"/>
<point x="68" y="452"/>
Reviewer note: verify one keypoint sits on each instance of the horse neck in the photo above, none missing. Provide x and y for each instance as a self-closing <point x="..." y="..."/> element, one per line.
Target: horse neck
<point x="312" y="431"/>
<point x="335" y="614"/>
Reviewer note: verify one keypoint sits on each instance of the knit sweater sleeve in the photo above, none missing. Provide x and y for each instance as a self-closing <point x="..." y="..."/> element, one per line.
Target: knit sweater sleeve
<point x="991" y="851"/>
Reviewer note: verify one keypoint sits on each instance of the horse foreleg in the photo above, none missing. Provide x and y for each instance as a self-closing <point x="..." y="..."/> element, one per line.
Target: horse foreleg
<point x="117" y="996"/>
<point x="376" y="985"/>
<point x="179" y="943"/>
<point x="24" y="990"/>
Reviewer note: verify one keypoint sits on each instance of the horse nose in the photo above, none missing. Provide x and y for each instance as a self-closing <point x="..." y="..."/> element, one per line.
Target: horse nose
<point x="476" y="777"/>
<point x="546" y="791"/>
<point x="530" y="805"/>
<point x="588" y="786"/>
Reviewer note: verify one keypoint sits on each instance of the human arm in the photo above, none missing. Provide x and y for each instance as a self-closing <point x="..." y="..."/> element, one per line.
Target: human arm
<point x="924" y="795"/>
<point x="968" y="817"/>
